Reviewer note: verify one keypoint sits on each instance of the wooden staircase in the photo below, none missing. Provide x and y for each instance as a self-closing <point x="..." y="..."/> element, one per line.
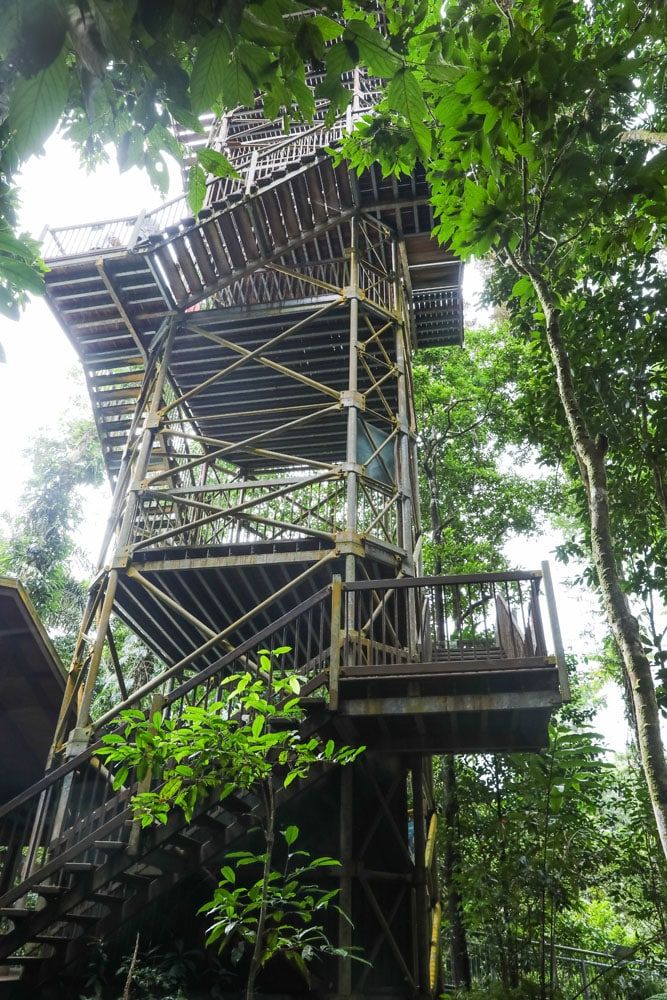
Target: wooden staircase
<point x="76" y="868"/>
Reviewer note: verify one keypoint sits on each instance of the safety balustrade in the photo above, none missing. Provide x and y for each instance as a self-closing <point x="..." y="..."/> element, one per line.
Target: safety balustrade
<point x="270" y="510"/>
<point x="255" y="162"/>
<point x="60" y="819"/>
<point x="459" y="618"/>
<point x="343" y="628"/>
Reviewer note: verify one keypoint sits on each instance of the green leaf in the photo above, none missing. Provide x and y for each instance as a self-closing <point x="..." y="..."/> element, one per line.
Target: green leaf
<point x="36" y="105"/>
<point x="114" y="22"/>
<point x="257" y="725"/>
<point x="469" y="83"/>
<point x="443" y="72"/>
<point x="490" y="119"/>
<point x="404" y="95"/>
<point x="228" y="873"/>
<point x="185" y="117"/>
<point x="21" y="275"/>
<point x="196" y="188"/>
<point x="237" y="87"/>
<point x="290" y="835"/>
<point x="374" y="49"/>
<point x="522" y="289"/>
<point x="329" y="29"/>
<point x="216" y="163"/>
<point x="130" y="149"/>
<point x="210" y="67"/>
<point x="294" y="684"/>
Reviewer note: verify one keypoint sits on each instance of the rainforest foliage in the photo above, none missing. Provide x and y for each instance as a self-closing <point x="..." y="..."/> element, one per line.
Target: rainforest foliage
<point x="541" y="125"/>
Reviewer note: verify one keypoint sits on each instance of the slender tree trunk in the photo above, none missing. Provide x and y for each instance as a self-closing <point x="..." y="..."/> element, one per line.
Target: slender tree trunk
<point x="256" y="959"/>
<point x="507" y="945"/>
<point x="451" y="861"/>
<point x="590" y="454"/>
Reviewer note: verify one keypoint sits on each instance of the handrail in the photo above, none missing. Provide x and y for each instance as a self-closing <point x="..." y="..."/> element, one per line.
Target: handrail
<point x="251" y="154"/>
<point x="403" y="582"/>
<point x="179" y="692"/>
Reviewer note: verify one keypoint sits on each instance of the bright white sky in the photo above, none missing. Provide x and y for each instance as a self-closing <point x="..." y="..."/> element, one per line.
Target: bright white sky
<point x="39" y="381"/>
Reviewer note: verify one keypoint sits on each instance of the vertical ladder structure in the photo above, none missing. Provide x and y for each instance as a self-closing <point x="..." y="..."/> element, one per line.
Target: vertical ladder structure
<point x="249" y="373"/>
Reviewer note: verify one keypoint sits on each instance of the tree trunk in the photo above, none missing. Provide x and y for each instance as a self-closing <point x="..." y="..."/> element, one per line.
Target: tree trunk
<point x="458" y="937"/>
<point x="454" y="901"/>
<point x="625" y="627"/>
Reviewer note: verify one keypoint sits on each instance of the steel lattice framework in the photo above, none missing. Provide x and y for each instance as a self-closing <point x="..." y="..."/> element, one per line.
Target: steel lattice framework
<point x="250" y="377"/>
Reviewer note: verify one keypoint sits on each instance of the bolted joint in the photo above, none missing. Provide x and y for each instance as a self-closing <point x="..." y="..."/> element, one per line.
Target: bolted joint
<point x="77" y="741"/>
<point x="349" y="397"/>
<point x="349" y="543"/>
<point x="121" y="559"/>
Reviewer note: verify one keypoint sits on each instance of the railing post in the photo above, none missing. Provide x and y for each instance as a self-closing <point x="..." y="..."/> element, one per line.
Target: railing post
<point x="586" y="993"/>
<point x="252" y="170"/>
<point x="334" y="657"/>
<point x="555" y="632"/>
<point x="536" y="619"/>
<point x="134" y="234"/>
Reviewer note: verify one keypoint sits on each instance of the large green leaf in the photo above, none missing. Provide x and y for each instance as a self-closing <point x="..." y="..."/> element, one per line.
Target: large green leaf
<point x="404" y="95"/>
<point x="208" y="72"/>
<point x="237" y="87"/>
<point x="196" y="187"/>
<point x="36" y="105"/>
<point x="329" y="28"/>
<point x="216" y="163"/>
<point x="374" y="48"/>
<point x="114" y="21"/>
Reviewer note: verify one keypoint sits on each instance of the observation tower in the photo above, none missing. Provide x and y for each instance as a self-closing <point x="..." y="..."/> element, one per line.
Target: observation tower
<point x="249" y="372"/>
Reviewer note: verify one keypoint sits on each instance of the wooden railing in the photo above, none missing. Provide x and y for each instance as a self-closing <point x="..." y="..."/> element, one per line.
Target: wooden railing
<point x="343" y="625"/>
<point x="255" y="162"/>
<point x="60" y="818"/>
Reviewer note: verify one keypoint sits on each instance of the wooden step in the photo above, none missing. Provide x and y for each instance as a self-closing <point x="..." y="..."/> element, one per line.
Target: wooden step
<point x="83" y="919"/>
<point x="171" y="272"/>
<point x="133" y="878"/>
<point x="107" y="899"/>
<point x="55" y="940"/>
<point x="211" y="234"/>
<point x="314" y="187"/>
<point x="302" y="202"/>
<point x="16" y="912"/>
<point x="79" y="867"/>
<point x="110" y="846"/>
<point x="231" y="241"/>
<point x="184" y="261"/>
<point x="273" y="220"/>
<point x="49" y="890"/>
<point x="202" y="256"/>
<point x="292" y="225"/>
<point x="246" y="233"/>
